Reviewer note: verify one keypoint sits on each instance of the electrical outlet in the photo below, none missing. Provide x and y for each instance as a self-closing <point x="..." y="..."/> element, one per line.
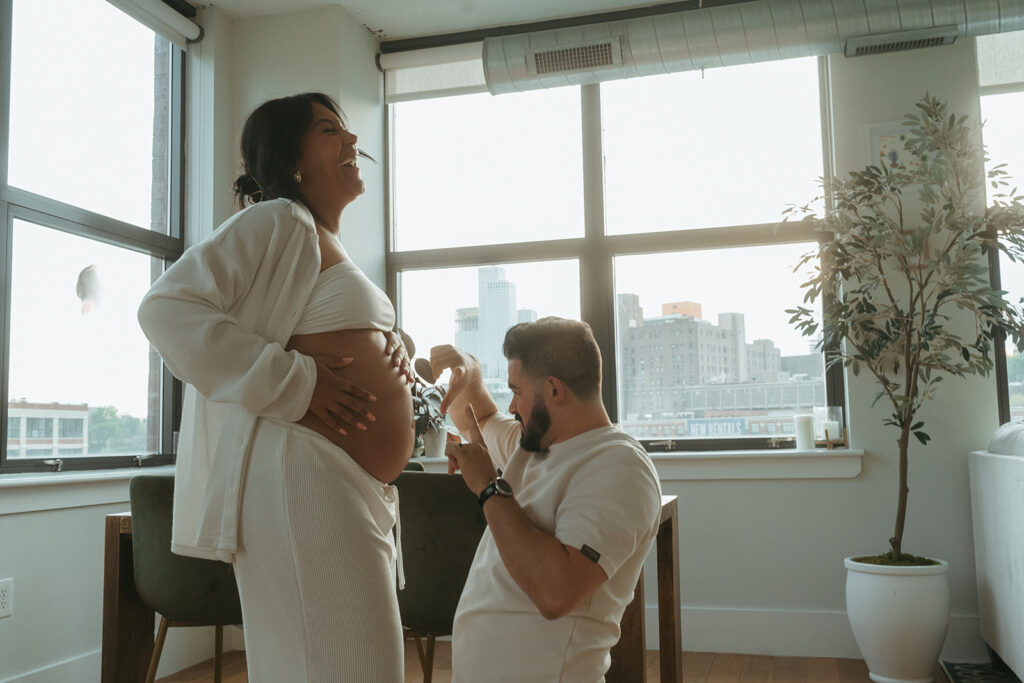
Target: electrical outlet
<point x="6" y="597"/>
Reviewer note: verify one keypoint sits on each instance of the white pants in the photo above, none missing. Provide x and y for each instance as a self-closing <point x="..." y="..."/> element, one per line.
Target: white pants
<point x="314" y="564"/>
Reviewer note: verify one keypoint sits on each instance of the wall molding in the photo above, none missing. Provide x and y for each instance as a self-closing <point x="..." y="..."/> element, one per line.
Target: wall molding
<point x="35" y="492"/>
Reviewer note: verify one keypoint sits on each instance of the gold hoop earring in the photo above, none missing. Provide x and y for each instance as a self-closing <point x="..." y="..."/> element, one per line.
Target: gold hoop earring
<point x="297" y="176"/>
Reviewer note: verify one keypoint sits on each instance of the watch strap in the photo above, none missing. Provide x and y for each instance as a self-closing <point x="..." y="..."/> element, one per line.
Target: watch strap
<point x="497" y="486"/>
<point x="488" y="491"/>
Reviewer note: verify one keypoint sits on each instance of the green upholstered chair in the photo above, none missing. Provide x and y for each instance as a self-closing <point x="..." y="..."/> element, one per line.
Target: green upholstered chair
<point x="185" y="591"/>
<point x="441" y="527"/>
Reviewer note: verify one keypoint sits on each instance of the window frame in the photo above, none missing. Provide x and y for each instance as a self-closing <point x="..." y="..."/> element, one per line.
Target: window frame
<point x="596" y="251"/>
<point x="995" y="280"/>
<point x="19" y="204"/>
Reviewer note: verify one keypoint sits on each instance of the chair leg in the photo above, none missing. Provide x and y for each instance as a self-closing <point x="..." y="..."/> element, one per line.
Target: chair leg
<point x="421" y="654"/>
<point x="158" y="647"/>
<point x="218" y="661"/>
<point x="428" y="665"/>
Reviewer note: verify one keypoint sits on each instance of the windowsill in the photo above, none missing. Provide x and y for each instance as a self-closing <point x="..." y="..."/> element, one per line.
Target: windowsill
<point x="842" y="463"/>
<point x="37" y="491"/>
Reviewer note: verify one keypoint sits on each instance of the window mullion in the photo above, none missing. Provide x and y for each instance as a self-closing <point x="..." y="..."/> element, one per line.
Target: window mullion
<point x="597" y="295"/>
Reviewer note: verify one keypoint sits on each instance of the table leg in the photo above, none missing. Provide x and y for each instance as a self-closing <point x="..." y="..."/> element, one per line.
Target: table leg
<point x="127" y="623"/>
<point x="670" y="643"/>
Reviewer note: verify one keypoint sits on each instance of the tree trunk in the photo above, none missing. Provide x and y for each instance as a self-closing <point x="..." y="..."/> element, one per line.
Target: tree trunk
<point x="896" y="542"/>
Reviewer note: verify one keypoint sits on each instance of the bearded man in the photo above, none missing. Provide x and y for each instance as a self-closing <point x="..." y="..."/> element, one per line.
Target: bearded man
<point x="572" y="505"/>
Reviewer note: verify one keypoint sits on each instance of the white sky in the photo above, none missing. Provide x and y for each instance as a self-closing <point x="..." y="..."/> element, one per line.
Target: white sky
<point x="1003" y="115"/>
<point x="81" y="132"/>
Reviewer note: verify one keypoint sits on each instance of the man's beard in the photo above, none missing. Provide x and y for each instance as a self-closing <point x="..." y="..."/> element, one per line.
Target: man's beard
<point x="540" y="422"/>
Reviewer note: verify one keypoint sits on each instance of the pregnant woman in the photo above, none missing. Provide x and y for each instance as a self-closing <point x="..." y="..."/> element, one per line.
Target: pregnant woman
<point x="297" y="409"/>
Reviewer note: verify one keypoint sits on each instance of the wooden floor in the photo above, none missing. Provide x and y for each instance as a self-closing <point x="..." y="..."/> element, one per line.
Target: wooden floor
<point x="698" y="667"/>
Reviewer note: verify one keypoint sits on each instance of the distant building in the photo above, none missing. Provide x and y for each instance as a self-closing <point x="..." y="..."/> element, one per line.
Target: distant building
<point x="47" y="430"/>
<point x="690" y="308"/>
<point x="481" y="330"/>
<point x="679" y="367"/>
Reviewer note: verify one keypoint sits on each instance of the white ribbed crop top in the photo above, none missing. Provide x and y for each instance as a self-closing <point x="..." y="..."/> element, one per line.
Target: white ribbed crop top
<point x="345" y="299"/>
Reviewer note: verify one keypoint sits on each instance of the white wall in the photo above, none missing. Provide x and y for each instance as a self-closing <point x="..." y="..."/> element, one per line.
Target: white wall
<point x="51" y="544"/>
<point x="761" y="561"/>
<point x="328" y="51"/>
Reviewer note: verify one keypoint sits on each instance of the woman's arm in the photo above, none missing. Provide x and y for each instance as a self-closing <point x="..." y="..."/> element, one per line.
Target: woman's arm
<point x="188" y="317"/>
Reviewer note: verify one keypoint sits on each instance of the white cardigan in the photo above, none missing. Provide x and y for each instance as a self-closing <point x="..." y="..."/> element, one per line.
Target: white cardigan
<point x="220" y="317"/>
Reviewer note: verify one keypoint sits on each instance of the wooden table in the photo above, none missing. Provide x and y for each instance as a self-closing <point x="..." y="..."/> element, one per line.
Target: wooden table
<point x="628" y="655"/>
<point x="128" y="624"/>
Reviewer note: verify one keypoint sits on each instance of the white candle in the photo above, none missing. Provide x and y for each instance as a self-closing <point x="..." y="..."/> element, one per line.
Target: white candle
<point x="832" y="432"/>
<point x="804" y="425"/>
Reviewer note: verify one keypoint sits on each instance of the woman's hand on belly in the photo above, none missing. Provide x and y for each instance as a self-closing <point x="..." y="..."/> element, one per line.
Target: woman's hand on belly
<point x="394" y="347"/>
<point x="337" y="402"/>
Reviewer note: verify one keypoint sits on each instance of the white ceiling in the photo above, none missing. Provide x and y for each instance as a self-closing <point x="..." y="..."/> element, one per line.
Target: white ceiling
<point x="395" y="19"/>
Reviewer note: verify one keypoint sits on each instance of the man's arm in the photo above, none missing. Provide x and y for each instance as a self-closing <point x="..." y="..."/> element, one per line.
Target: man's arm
<point x="555" y="577"/>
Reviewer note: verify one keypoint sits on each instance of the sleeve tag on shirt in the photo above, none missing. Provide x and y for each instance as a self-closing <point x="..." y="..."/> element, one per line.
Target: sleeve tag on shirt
<point x="590" y="553"/>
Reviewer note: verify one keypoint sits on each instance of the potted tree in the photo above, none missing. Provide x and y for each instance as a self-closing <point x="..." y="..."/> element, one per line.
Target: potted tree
<point x="904" y="284"/>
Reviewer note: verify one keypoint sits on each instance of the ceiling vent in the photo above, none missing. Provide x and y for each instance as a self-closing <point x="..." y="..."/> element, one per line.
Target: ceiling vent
<point x="861" y="46"/>
<point x="604" y="54"/>
<point x="734" y="33"/>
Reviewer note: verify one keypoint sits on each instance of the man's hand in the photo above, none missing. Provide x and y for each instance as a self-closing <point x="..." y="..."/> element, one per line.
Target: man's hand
<point x="471" y="458"/>
<point x="465" y="388"/>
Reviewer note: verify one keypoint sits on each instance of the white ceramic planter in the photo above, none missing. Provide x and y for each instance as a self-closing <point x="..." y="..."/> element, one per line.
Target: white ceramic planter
<point x="899" y="617"/>
<point x="434" y="443"/>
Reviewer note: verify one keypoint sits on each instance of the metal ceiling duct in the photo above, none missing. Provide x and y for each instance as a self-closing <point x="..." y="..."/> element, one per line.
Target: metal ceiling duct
<point x="741" y="33"/>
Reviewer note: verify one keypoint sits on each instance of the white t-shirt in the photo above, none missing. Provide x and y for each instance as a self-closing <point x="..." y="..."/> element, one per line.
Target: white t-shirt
<point x="597" y="489"/>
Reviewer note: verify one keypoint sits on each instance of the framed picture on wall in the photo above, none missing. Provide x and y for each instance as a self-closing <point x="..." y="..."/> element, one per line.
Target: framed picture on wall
<point x="887" y="145"/>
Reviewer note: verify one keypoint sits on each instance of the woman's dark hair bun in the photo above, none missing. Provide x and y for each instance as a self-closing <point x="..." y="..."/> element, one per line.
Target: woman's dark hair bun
<point x="248" y="190"/>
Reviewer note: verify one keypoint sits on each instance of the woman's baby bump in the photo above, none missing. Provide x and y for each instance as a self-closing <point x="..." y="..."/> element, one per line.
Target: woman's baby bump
<point x="384" y="447"/>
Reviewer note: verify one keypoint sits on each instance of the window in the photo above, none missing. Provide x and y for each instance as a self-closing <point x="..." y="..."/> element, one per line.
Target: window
<point x="90" y="211"/>
<point x="651" y="204"/>
<point x="39" y="427"/>
<point x="71" y="428"/>
<point x="1001" y="76"/>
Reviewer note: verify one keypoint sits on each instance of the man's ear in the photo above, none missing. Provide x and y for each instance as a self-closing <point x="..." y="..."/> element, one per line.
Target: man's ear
<point x="555" y="389"/>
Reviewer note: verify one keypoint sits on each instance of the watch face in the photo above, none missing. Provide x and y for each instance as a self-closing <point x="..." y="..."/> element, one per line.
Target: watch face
<point x="503" y="487"/>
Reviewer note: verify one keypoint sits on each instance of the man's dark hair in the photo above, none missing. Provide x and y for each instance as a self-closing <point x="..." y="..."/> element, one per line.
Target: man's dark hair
<point x="556" y="347"/>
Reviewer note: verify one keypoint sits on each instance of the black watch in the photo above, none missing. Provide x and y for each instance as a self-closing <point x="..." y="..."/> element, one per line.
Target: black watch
<point x="497" y="486"/>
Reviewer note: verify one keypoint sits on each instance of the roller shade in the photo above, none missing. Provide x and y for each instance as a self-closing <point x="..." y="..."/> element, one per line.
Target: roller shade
<point x="1001" y="59"/>
<point x="162" y="20"/>
<point x="434" y="72"/>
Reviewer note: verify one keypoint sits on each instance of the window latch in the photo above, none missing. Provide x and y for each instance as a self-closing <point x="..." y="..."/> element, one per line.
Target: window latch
<point x="56" y="464"/>
<point x="137" y="459"/>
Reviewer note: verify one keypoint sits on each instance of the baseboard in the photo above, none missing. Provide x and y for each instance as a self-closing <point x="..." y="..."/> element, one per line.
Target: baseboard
<point x="83" y="667"/>
<point x="794" y="633"/>
<point x="183" y="648"/>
